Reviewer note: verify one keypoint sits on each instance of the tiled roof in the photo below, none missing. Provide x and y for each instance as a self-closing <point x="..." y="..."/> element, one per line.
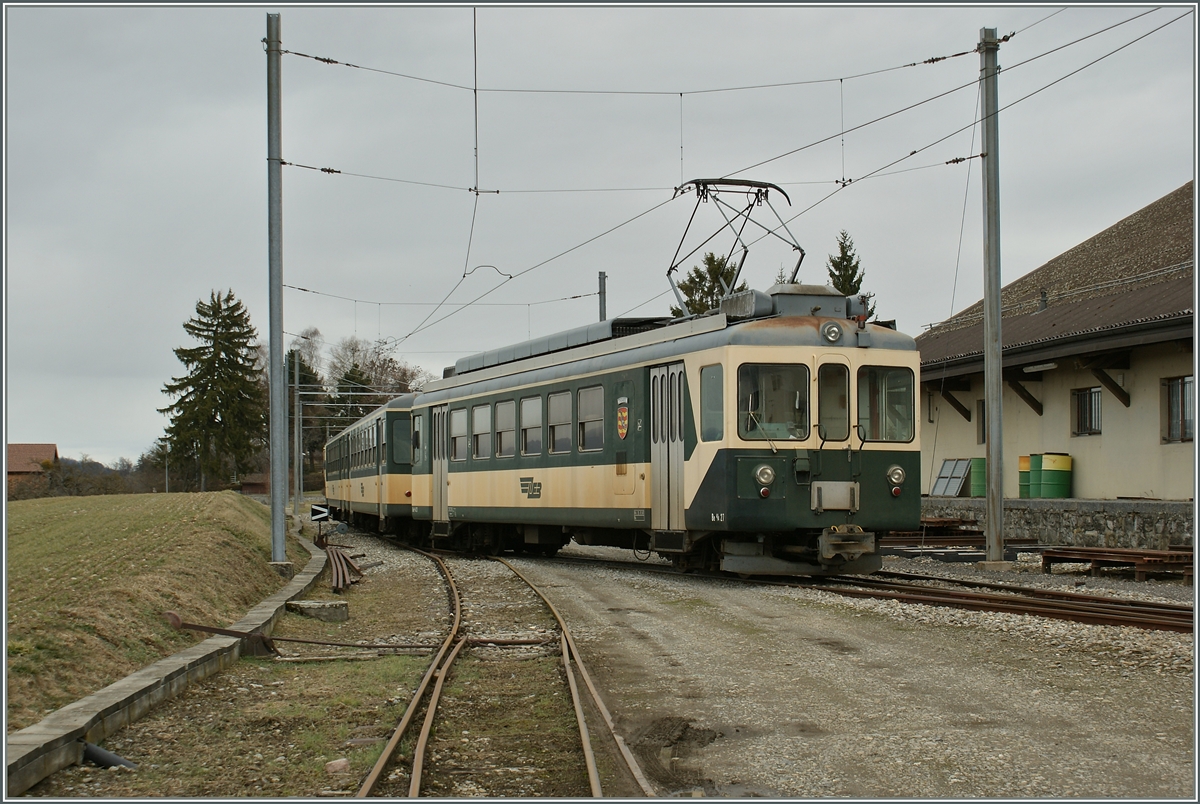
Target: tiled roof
<point x="1137" y="274"/>
<point x="27" y="458"/>
<point x="1144" y="306"/>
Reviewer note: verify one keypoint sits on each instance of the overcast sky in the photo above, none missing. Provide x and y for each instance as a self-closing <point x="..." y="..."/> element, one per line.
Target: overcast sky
<point x="136" y="173"/>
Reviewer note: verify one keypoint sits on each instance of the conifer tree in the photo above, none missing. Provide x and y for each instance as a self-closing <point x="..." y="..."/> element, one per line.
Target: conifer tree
<point x="844" y="272"/>
<point x="702" y="289"/>
<point x="219" y="413"/>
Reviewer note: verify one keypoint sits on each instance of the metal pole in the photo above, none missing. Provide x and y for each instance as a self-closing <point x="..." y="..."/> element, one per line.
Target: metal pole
<point x="603" y="295"/>
<point x="993" y="383"/>
<point x="167" y="470"/>
<point x="277" y="377"/>
<point x="296" y="426"/>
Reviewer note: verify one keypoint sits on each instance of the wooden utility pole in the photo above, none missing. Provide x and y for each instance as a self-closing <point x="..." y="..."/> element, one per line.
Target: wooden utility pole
<point x="993" y="383"/>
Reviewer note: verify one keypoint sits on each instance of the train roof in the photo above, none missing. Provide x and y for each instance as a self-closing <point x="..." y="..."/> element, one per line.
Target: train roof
<point x="781" y="299"/>
<point x="788" y="314"/>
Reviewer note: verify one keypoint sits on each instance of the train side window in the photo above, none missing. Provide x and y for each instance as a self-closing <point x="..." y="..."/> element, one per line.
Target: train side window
<point x="833" y="401"/>
<point x="416" y="438"/>
<point x="481" y="431"/>
<point x="458" y="434"/>
<point x="772" y="401"/>
<point x="559" y="419"/>
<point x="591" y="419"/>
<point x="712" y="403"/>
<point x="506" y="429"/>
<point x="531" y="426"/>
<point x="886" y="403"/>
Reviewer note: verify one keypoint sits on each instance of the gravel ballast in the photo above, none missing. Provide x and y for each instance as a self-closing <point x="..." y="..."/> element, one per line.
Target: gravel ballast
<point x="775" y="691"/>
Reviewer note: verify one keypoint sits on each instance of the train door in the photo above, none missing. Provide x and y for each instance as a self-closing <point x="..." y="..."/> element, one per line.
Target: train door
<point x="666" y="447"/>
<point x="440" y="463"/>
<point x="381" y="468"/>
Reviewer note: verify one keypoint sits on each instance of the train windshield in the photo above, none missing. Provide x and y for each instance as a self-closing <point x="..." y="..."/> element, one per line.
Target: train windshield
<point x="885" y="403"/>
<point x="772" y="402"/>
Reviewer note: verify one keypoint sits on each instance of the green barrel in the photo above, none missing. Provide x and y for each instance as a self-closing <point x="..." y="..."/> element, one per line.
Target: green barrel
<point x="1023" y="477"/>
<point x="1056" y="475"/>
<point x="979" y="477"/>
<point x="1035" y="476"/>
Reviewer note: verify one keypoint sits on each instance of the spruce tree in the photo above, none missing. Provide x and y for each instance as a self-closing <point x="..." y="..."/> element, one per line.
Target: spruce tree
<point x="219" y="413"/>
<point x="844" y="272"/>
<point x="702" y="289"/>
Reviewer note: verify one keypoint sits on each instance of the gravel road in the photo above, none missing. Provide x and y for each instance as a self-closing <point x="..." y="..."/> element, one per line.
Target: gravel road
<point x="735" y="690"/>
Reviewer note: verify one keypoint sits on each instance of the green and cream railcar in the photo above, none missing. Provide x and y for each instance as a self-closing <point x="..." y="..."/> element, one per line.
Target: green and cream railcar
<point x="368" y="473"/>
<point x="777" y="435"/>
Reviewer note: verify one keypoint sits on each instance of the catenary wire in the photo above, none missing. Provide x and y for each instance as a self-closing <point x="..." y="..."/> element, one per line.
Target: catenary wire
<point x="947" y="92"/>
<point x="435" y="304"/>
<point x="707" y="91"/>
<point x="1001" y="109"/>
<point x="539" y="265"/>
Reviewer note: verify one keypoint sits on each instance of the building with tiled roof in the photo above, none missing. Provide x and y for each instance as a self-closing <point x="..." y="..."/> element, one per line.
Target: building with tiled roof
<point x="26" y="459"/>
<point x="1097" y="363"/>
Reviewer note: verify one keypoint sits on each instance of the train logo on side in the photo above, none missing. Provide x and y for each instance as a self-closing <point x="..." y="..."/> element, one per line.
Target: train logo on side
<point x="530" y="489"/>
<point x="622" y="421"/>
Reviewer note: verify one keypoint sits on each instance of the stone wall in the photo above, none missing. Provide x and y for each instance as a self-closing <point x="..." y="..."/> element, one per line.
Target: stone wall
<point x="1148" y="524"/>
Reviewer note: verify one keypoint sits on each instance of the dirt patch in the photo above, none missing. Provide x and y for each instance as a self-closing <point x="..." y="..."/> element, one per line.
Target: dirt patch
<point x="665" y="749"/>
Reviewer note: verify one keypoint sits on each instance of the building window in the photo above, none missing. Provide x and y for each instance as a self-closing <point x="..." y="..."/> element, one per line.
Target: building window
<point x="458" y="434"/>
<point x="559" y="419"/>
<point x="1085" y="402"/>
<point x="506" y="429"/>
<point x="981" y="421"/>
<point x="712" y="403"/>
<point x="481" y="431"/>
<point x="1181" y="409"/>
<point x="591" y="419"/>
<point x="531" y="426"/>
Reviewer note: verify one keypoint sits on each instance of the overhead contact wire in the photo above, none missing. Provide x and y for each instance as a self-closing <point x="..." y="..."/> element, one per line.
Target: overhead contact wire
<point x="964" y="128"/>
<point x="539" y="265"/>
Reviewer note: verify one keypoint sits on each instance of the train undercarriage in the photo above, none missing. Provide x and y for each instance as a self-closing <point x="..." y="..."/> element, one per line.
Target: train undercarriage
<point x="838" y="550"/>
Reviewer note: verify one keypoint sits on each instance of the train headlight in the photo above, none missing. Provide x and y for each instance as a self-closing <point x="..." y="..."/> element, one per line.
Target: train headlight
<point x="831" y="332"/>
<point x="895" y="475"/>
<point x="765" y="475"/>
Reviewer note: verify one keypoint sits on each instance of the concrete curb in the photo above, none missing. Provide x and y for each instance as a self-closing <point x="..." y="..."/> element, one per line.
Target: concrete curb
<point x="56" y="741"/>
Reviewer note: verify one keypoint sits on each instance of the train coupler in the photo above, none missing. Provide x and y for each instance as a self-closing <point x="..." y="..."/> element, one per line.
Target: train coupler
<point x="846" y="542"/>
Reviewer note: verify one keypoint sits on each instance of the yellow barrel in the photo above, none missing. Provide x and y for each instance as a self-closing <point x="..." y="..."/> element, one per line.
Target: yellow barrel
<point x="1056" y="474"/>
<point x="1023" y="476"/>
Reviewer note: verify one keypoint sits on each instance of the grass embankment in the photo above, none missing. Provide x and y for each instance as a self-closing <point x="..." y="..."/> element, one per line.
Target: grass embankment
<point x="90" y="577"/>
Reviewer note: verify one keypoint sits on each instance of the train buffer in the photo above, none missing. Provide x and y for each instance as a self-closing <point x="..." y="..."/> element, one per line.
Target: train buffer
<point x="1142" y="561"/>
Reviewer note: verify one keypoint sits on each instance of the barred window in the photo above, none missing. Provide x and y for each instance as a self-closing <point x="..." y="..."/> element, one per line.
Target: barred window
<point x="506" y="429"/>
<point x="1181" y="409"/>
<point x="1086" y="404"/>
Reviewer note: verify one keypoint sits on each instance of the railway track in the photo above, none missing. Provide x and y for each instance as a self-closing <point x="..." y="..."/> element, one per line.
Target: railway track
<point x="1005" y="598"/>
<point x="486" y="707"/>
